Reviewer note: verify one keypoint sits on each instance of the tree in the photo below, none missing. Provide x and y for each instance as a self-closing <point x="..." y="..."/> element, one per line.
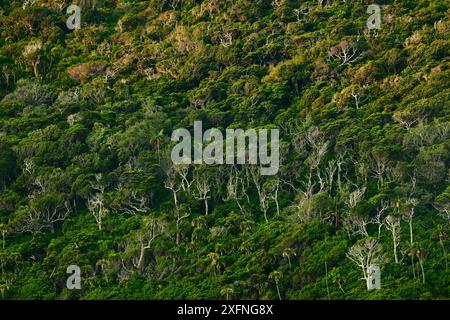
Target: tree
<point x="215" y="263"/>
<point x="43" y="212"/>
<point x="263" y="195"/>
<point x="379" y="164"/>
<point x="379" y="217"/>
<point x="9" y="262"/>
<point x="32" y="54"/>
<point x="420" y="254"/>
<point x="355" y="93"/>
<point x="176" y="181"/>
<point x="337" y="278"/>
<point x="409" y="216"/>
<point x="97" y="203"/>
<point x="273" y="187"/>
<point x="356" y="225"/>
<point x="365" y="253"/>
<point x="153" y="228"/>
<point x="442" y="204"/>
<point x="97" y="207"/>
<point x="128" y="201"/>
<point x="236" y="187"/>
<point x="345" y="51"/>
<point x="392" y="223"/>
<point x="202" y="183"/>
<point x="355" y="197"/>
<point x="407" y="118"/>
<point x="276" y="276"/>
<point x="288" y="253"/>
<point x="32" y="93"/>
<point x="227" y="292"/>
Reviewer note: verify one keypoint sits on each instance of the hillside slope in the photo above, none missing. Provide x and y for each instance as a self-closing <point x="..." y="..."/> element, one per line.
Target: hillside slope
<point x="86" y="118"/>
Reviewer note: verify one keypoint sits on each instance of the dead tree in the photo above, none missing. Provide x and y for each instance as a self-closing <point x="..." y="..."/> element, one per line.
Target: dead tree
<point x="202" y="183"/>
<point x="152" y="230"/>
<point x="263" y="194"/>
<point x="345" y="51"/>
<point x="355" y="225"/>
<point x="175" y="182"/>
<point x="130" y="203"/>
<point x="364" y="254"/>
<point x="236" y="187"/>
<point x="274" y="187"/>
<point x="392" y="223"/>
<point x="355" y="197"/>
<point x="44" y="213"/>
<point x="97" y="207"/>
<point x="379" y="217"/>
<point x="330" y="172"/>
<point x="420" y="254"/>
<point x="379" y="166"/>
<point x="408" y="216"/>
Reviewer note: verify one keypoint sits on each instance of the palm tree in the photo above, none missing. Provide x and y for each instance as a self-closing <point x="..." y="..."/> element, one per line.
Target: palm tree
<point x="276" y="276"/>
<point x="412" y="253"/>
<point x="215" y="265"/>
<point x="420" y="254"/>
<point x="227" y="292"/>
<point x="337" y="279"/>
<point x="288" y="253"/>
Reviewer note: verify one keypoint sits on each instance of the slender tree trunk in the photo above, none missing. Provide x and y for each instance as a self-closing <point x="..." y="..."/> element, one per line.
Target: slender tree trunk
<point x="239" y="205"/>
<point x="366" y="276"/>
<point x="141" y="258"/>
<point x="394" y="239"/>
<point x="175" y="200"/>
<point x="276" y="203"/>
<point x="368" y="283"/>
<point x="411" y="239"/>
<point x="35" y="69"/>
<point x="278" y="290"/>
<point x="177" y="240"/>
<point x="340" y="287"/>
<point x="423" y="273"/>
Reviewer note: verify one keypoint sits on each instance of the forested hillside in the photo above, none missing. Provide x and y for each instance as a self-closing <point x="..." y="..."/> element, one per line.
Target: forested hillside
<point x="86" y="179"/>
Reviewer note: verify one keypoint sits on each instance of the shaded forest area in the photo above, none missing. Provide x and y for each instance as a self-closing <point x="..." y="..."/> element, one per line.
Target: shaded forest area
<point x="86" y="118"/>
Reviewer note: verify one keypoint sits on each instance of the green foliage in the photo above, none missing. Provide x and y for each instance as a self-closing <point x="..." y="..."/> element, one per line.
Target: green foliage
<point x="86" y="118"/>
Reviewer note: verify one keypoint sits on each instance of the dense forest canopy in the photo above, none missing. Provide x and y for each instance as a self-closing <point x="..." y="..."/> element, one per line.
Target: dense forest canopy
<point x="86" y="118"/>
